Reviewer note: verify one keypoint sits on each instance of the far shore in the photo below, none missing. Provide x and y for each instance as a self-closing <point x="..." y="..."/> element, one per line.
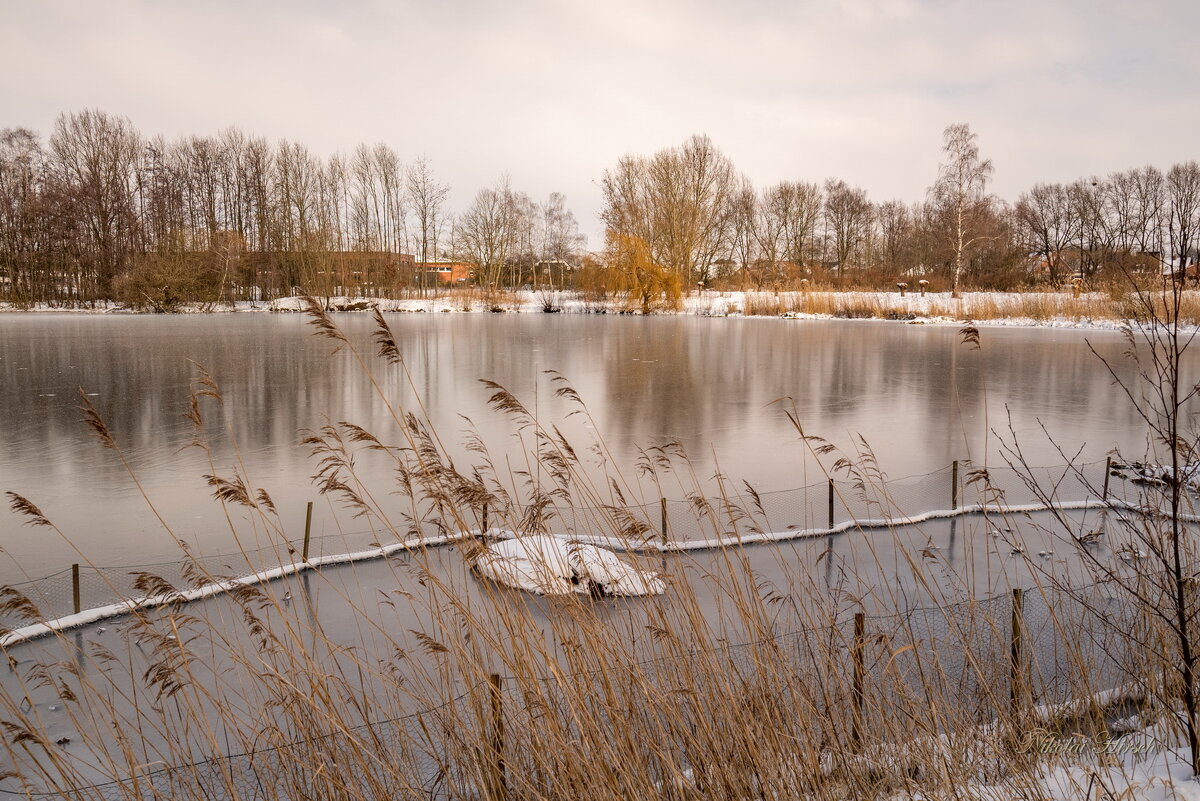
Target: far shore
<point x="1089" y="310"/>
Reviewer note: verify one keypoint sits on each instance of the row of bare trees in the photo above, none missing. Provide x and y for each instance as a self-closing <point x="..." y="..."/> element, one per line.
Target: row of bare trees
<point x="1134" y="219"/>
<point x="701" y="220"/>
<point x="99" y="211"/>
<point x="512" y="240"/>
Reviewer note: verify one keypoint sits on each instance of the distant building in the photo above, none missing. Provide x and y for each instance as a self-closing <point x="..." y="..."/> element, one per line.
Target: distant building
<point x="446" y="271"/>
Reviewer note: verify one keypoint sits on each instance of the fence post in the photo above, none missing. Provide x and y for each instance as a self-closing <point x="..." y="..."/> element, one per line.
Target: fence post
<point x="856" y="723"/>
<point x="484" y="521"/>
<point x="498" y="782"/>
<point x="954" y="485"/>
<point x="831" y="503"/>
<point x="75" y="596"/>
<point x="307" y="531"/>
<point x="662" y="517"/>
<point x="1107" y="473"/>
<point x="1016" y="635"/>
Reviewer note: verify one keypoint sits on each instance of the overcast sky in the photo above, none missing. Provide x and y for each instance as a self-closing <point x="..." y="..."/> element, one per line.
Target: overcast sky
<point x="553" y="92"/>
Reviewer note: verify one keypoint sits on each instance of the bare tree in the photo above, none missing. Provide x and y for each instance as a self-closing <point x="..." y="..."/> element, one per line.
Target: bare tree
<point x="1149" y="187"/>
<point x="801" y="204"/>
<point x="745" y="237"/>
<point x="895" y="235"/>
<point x="1152" y="559"/>
<point x="1093" y="226"/>
<point x="769" y="216"/>
<point x="561" y="238"/>
<point x="480" y="236"/>
<point x="784" y="225"/>
<point x="848" y="218"/>
<point x="1048" y="224"/>
<point x="961" y="193"/>
<point x="561" y="241"/>
<point x="94" y="157"/>
<point x="295" y="184"/>
<point x="1183" y="215"/>
<point x="426" y="197"/>
<point x="498" y="233"/>
<point x="22" y="236"/>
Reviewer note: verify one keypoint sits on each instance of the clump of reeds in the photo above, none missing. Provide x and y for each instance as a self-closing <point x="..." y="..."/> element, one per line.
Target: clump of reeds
<point x="845" y="305"/>
<point x="771" y="304"/>
<point x="981" y="306"/>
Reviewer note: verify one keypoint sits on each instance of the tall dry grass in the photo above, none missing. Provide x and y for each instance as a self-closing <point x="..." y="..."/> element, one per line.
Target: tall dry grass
<point x="768" y="693"/>
<point x="982" y="306"/>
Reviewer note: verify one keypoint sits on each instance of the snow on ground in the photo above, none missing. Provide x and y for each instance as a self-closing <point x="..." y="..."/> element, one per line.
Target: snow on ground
<point x="1149" y="764"/>
<point x="1053" y="310"/>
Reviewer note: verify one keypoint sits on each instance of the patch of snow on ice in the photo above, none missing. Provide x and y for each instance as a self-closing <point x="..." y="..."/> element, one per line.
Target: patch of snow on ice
<point x="549" y="565"/>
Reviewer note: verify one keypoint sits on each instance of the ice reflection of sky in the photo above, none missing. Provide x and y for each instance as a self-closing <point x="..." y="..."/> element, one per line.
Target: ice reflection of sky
<point x="917" y="396"/>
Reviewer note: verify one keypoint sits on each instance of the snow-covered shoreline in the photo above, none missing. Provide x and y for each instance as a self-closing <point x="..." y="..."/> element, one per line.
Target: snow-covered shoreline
<point x="980" y="308"/>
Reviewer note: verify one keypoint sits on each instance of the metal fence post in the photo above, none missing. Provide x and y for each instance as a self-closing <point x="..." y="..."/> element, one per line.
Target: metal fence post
<point x="75" y="594"/>
<point x="307" y="531"/>
<point x="831" y="503"/>
<point x="1107" y="473"/>
<point x="484" y="519"/>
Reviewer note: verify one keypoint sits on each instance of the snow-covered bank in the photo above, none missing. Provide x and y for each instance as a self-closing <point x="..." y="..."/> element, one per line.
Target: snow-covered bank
<point x="1093" y="310"/>
<point x="1148" y="763"/>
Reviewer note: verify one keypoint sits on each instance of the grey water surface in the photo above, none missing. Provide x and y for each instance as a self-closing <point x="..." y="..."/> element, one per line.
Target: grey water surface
<point x="916" y="394"/>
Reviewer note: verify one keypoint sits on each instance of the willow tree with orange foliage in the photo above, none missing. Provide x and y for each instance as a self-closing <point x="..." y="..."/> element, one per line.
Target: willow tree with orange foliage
<point x="680" y="202"/>
<point x="632" y="272"/>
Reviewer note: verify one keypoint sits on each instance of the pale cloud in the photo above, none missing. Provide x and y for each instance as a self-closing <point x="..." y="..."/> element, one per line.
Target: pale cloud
<point x="552" y="93"/>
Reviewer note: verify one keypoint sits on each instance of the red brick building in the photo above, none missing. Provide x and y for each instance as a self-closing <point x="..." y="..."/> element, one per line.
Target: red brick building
<point x="447" y="271"/>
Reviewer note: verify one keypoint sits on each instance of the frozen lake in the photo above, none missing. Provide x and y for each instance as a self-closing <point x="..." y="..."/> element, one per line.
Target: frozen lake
<point x="915" y="393"/>
<point x="918" y="396"/>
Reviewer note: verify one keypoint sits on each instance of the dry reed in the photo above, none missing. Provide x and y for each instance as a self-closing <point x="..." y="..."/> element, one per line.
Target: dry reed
<point x="1036" y="306"/>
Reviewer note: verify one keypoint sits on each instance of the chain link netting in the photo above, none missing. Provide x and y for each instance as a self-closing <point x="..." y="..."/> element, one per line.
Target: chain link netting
<point x="398" y="758"/>
<point x="813" y="508"/>
<point x="963" y="656"/>
<point x="957" y="656"/>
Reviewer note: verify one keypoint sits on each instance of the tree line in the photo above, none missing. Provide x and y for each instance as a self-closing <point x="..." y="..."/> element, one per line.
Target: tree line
<point x="686" y="215"/>
<point x="97" y="211"/>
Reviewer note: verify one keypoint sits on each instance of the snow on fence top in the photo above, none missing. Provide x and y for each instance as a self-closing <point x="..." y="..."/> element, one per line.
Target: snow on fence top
<point x="69" y="599"/>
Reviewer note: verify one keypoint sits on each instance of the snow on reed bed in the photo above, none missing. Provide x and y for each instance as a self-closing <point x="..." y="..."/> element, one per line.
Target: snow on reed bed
<point x="1091" y="310"/>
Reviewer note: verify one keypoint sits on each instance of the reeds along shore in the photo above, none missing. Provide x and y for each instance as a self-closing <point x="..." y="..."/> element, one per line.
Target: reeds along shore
<point x="657" y="698"/>
<point x="1037" y="307"/>
<point x="1108" y="308"/>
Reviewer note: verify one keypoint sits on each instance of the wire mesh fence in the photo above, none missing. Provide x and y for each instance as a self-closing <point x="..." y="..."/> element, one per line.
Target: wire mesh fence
<point x="812" y="508"/>
<point x="1072" y="644"/>
<point x="958" y="655"/>
<point x="416" y="742"/>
